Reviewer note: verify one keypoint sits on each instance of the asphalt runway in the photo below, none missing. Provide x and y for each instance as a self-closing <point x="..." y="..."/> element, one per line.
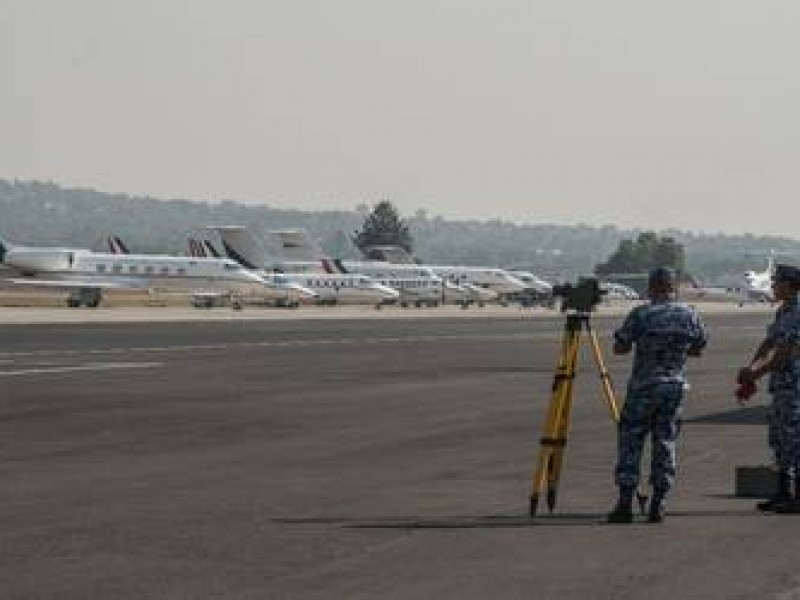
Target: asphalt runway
<point x="358" y="459"/>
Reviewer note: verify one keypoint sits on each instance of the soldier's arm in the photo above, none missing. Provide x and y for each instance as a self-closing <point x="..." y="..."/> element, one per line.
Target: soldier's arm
<point x="700" y="338"/>
<point x="763" y="350"/>
<point x="625" y="336"/>
<point x="772" y="359"/>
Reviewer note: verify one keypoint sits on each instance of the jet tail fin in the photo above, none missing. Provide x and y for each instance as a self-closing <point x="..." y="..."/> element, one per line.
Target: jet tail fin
<point x="340" y="268"/>
<point x="116" y="245"/>
<point x="209" y="250"/>
<point x="237" y="243"/>
<point x="196" y="249"/>
<point x="297" y="244"/>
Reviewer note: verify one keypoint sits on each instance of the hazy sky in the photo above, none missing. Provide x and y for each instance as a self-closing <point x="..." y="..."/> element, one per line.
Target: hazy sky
<point x="637" y="113"/>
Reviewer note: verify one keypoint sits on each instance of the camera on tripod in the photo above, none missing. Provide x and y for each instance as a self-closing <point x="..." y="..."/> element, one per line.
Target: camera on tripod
<point x="583" y="296"/>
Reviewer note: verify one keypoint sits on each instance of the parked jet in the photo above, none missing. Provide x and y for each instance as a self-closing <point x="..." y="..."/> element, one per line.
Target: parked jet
<point x="692" y="291"/>
<point x="86" y="273"/>
<point x="757" y="285"/>
<point x="331" y="288"/>
<point x="281" y="291"/>
<point x="479" y="295"/>
<point x="533" y="282"/>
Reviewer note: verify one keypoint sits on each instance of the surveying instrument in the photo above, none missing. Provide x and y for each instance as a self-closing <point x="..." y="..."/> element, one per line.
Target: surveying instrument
<point x="578" y="302"/>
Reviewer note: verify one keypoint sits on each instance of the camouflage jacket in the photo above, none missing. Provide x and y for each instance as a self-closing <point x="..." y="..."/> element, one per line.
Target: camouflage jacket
<point x="662" y="333"/>
<point x="785" y="330"/>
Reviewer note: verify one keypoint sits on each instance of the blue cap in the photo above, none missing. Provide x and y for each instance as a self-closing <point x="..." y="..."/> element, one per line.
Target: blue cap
<point x="662" y="276"/>
<point x="787" y="273"/>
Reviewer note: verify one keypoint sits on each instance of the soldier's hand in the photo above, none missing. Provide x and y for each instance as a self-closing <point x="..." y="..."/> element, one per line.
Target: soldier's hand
<point x="745" y="375"/>
<point x="745" y="391"/>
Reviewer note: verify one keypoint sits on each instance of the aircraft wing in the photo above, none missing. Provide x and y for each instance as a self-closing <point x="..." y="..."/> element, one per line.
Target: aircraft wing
<point x="77" y="283"/>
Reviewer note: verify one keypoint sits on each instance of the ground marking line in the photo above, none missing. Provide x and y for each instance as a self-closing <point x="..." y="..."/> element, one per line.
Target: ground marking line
<point x="281" y="343"/>
<point x="77" y="368"/>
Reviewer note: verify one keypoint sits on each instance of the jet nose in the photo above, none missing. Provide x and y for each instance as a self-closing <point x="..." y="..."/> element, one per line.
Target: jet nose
<point x="387" y="292"/>
<point x="301" y="290"/>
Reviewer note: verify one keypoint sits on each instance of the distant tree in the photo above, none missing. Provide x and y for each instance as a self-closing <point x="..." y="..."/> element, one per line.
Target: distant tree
<point x="648" y="251"/>
<point x="384" y="227"/>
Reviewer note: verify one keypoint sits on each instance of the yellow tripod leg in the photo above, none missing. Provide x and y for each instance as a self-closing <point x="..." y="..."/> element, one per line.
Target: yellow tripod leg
<point x="549" y="459"/>
<point x="611" y="400"/>
<point x="562" y="425"/>
<point x="605" y="377"/>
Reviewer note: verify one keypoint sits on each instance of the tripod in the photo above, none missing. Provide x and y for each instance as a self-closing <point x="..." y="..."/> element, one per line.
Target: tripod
<point x="556" y="426"/>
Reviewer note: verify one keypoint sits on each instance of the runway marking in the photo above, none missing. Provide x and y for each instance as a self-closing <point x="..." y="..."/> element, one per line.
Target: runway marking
<point x="76" y="368"/>
<point x="5" y="356"/>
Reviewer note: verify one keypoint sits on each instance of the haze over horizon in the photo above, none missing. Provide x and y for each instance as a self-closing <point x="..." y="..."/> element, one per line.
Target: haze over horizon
<point x="650" y="116"/>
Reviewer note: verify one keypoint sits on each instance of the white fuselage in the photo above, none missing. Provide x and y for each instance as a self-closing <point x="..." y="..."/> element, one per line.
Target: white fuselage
<point x="494" y="279"/>
<point x="533" y="282"/>
<point x="342" y="288"/>
<point x="84" y="268"/>
<point x="479" y="294"/>
<point x="454" y="293"/>
<point x="415" y="290"/>
<point x="758" y="286"/>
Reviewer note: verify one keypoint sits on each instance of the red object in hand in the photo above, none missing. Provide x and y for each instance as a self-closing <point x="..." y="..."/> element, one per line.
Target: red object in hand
<point x="745" y="390"/>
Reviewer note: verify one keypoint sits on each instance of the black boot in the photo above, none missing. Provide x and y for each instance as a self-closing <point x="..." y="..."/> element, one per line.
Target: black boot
<point x="658" y="507"/>
<point x="790" y="506"/>
<point x="782" y="496"/>
<point x="623" y="511"/>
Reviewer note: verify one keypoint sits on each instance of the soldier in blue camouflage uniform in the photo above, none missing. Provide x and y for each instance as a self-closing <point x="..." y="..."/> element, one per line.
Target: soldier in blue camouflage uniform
<point x="664" y="332"/>
<point x="779" y="356"/>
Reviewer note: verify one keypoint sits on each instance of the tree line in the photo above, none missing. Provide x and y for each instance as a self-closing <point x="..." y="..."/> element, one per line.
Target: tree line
<point x="46" y="213"/>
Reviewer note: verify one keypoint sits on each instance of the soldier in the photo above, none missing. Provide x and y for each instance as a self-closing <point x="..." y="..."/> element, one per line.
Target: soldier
<point x="778" y="355"/>
<point x="664" y="332"/>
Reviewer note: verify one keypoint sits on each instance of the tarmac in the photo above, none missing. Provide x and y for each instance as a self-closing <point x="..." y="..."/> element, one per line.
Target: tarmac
<point x="147" y="453"/>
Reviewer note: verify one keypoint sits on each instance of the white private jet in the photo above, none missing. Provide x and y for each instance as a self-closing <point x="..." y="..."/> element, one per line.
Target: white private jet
<point x="300" y="249"/>
<point x="533" y="282"/>
<point x="281" y="292"/>
<point x="86" y="274"/>
<point x="238" y="244"/>
<point x="757" y="285"/>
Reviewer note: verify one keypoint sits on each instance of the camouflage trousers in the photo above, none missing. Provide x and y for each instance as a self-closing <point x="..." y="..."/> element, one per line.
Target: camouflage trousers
<point x="784" y="430"/>
<point x="655" y="410"/>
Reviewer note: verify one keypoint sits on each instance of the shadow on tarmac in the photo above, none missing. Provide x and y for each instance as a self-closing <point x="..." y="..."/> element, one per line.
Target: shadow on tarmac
<point x="750" y="415"/>
<point x="498" y="521"/>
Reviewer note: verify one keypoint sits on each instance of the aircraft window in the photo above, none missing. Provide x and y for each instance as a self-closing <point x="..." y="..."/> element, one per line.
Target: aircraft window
<point x="165" y="270"/>
<point x="101" y="268"/>
<point x="181" y="271"/>
<point x="231" y="266"/>
<point x="117" y="268"/>
<point x="133" y="269"/>
<point x="149" y="269"/>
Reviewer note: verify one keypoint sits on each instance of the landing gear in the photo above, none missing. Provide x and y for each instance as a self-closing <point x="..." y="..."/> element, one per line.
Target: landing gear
<point x="89" y="297"/>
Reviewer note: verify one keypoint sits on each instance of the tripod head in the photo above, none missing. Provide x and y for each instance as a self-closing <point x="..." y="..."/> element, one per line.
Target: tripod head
<point x="582" y="297"/>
